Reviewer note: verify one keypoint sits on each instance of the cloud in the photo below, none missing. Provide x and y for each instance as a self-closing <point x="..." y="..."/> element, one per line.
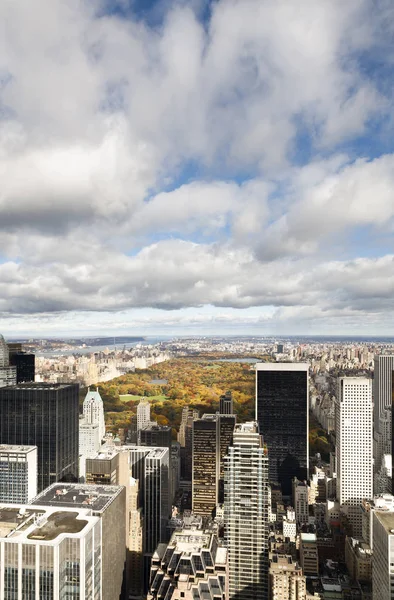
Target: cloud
<point x="163" y="165"/>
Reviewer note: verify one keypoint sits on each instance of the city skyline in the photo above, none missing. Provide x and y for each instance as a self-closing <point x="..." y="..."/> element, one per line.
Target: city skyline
<point x="199" y="167"/>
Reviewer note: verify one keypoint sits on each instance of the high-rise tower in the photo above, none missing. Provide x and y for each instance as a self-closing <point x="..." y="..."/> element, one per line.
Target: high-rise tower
<point x="246" y="508"/>
<point x="46" y="416"/>
<point x="282" y="414"/>
<point x="354" y="446"/>
<point x="93" y="411"/>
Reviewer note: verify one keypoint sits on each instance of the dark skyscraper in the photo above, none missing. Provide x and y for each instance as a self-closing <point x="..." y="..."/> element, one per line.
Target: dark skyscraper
<point x="212" y="435"/>
<point x="25" y="366"/>
<point x="282" y="414"/>
<point x="226" y="404"/>
<point x="46" y="416"/>
<point x="152" y="434"/>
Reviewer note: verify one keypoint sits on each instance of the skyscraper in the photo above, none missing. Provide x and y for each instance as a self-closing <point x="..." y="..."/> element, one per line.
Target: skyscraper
<point x="46" y="416"/>
<point x="282" y="414"/>
<point x="143" y="413"/>
<point x="7" y="372"/>
<point x="185" y="438"/>
<point x="93" y="410"/>
<point x="226" y="404"/>
<point x="24" y="362"/>
<point x="354" y="446"/>
<point x="18" y="473"/>
<point x="383" y="414"/>
<point x="246" y="514"/>
<point x="212" y="435"/>
<point x="152" y="434"/>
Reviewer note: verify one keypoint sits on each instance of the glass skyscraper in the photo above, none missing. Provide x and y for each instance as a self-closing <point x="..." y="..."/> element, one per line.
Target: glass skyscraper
<point x="282" y="414"/>
<point x="46" y="416"/>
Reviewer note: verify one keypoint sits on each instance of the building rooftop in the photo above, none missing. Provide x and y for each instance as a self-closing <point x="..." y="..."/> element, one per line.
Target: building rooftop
<point x="387" y="520"/>
<point x="42" y="524"/>
<point x="190" y="540"/>
<point x="17" y="449"/>
<point x="282" y="366"/>
<point x="76" y="495"/>
<point x="38" y="386"/>
<point x="248" y="427"/>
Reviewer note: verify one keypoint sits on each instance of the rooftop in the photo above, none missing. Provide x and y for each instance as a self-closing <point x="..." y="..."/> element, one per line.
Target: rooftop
<point x="42" y="524"/>
<point x="284" y="366"/>
<point x="76" y="495"/>
<point x="16" y="449"/>
<point x="387" y="520"/>
<point x="39" y="386"/>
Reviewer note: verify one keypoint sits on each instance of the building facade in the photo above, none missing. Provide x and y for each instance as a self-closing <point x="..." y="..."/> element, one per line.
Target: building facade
<point x="93" y="411"/>
<point x="246" y="513"/>
<point x="354" y="447"/>
<point x="46" y="416"/>
<point x="283" y="416"/>
<point x="383" y="556"/>
<point x="18" y="474"/>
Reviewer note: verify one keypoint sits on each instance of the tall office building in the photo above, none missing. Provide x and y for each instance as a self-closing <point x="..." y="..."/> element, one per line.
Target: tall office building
<point x="152" y="434"/>
<point x="108" y="503"/>
<point x="354" y="446"/>
<point x="383" y="553"/>
<point x="93" y="411"/>
<point x="18" y="474"/>
<point x="383" y="399"/>
<point x="46" y="416"/>
<point x="226" y="404"/>
<point x="50" y="553"/>
<point x="7" y="372"/>
<point x="151" y="467"/>
<point x="24" y="362"/>
<point x="143" y="413"/>
<point x="185" y="438"/>
<point x="212" y="435"/>
<point x="283" y="415"/>
<point x="246" y="513"/>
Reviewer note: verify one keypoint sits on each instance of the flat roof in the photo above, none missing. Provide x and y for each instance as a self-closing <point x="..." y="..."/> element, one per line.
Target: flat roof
<point x="282" y="366"/>
<point x="10" y="448"/>
<point x="77" y="495"/>
<point x="38" y="386"/>
<point x="387" y="520"/>
<point x="42" y="524"/>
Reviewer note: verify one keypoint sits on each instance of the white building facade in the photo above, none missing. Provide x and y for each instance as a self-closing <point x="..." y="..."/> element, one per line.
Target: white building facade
<point x="354" y="446"/>
<point x="18" y="473"/>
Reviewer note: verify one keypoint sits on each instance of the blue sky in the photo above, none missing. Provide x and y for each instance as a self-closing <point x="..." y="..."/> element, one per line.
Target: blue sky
<point x="197" y="167"/>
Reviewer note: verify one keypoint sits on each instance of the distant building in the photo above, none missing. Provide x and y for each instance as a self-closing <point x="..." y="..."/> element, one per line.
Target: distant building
<point x="286" y="580"/>
<point x="354" y="447"/>
<point x="46" y="416"/>
<point x="152" y="434"/>
<point x="300" y="500"/>
<point x="143" y="413"/>
<point x="246" y="513"/>
<point x="93" y="411"/>
<point x="282" y="411"/>
<point x="212" y="435"/>
<point x="108" y="503"/>
<point x="7" y="372"/>
<point x="18" y="474"/>
<point x="24" y="362"/>
<point x="192" y="566"/>
<point x="309" y="556"/>
<point x="185" y="438"/>
<point x="226" y="404"/>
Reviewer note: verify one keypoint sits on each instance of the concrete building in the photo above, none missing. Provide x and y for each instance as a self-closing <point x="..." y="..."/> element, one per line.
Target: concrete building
<point x="282" y="411"/>
<point x="93" y="411"/>
<point x="108" y="503"/>
<point x="143" y="413"/>
<point x="193" y="566"/>
<point x="226" y="404"/>
<point x="212" y="435"/>
<point x="358" y="558"/>
<point x="383" y="556"/>
<point x="51" y="552"/>
<point x="46" y="416"/>
<point x="354" y="447"/>
<point x="300" y="500"/>
<point x="290" y="525"/>
<point x="18" y="474"/>
<point x="309" y="556"/>
<point x="246" y="513"/>
<point x="286" y="580"/>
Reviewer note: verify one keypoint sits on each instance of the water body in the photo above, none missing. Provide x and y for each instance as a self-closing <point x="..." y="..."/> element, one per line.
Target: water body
<point x="238" y="360"/>
<point x="158" y="381"/>
<point x="111" y="347"/>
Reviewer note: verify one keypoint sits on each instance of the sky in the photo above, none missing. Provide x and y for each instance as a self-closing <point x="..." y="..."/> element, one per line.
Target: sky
<point x="196" y="167"/>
